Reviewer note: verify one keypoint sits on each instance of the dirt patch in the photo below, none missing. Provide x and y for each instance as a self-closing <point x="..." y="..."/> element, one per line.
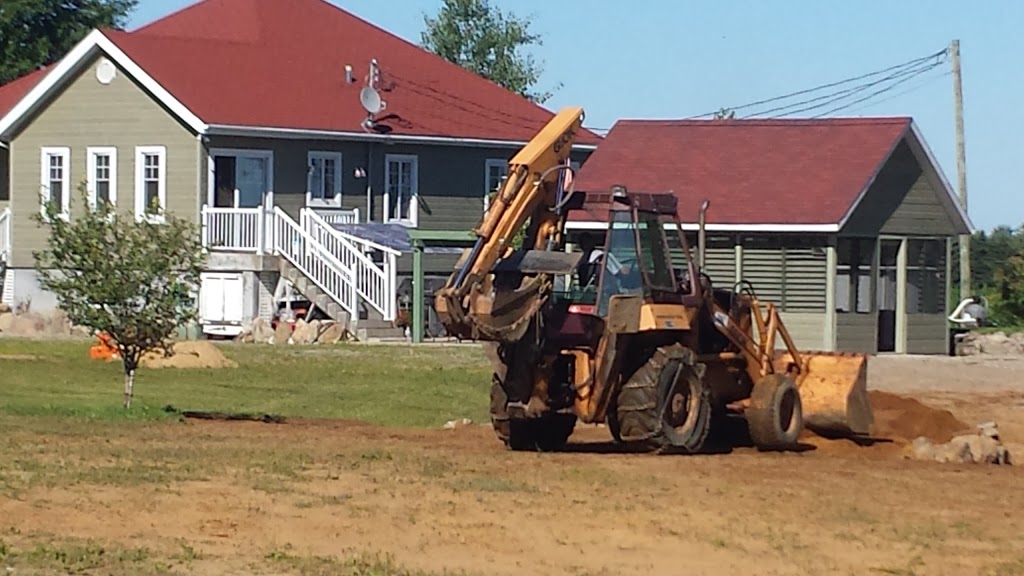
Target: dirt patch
<point x="902" y="418"/>
<point x="198" y="354"/>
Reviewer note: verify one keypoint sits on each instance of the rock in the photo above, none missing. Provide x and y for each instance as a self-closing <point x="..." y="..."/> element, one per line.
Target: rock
<point x="305" y="332"/>
<point x="282" y="333"/>
<point x="262" y="333"/>
<point x="6" y="321"/>
<point x="331" y="334"/>
<point x="5" y="308"/>
<point x="453" y="424"/>
<point x="58" y="324"/>
<point x="28" y="325"/>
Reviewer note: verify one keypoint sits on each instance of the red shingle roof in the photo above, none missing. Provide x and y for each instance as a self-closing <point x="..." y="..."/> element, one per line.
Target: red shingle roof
<point x="15" y="90"/>
<point x="277" y="64"/>
<point x="796" y="172"/>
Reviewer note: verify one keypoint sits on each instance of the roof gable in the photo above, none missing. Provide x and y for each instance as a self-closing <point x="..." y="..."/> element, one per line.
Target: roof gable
<point x="780" y="174"/>
<point x="268" y="64"/>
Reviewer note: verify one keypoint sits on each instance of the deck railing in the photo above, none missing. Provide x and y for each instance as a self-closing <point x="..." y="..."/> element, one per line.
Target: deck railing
<point x="235" y="229"/>
<point x="375" y="283"/>
<point x="337" y="215"/>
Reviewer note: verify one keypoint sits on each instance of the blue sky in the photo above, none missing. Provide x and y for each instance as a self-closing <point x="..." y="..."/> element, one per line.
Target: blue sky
<point x="675" y="59"/>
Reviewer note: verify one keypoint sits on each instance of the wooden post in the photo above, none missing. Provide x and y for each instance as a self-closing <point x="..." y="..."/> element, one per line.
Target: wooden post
<point x="417" y="292"/>
<point x="961" y="168"/>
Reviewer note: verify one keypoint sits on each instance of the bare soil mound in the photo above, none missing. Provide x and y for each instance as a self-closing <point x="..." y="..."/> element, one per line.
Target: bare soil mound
<point x="197" y="354"/>
<point x="902" y="418"/>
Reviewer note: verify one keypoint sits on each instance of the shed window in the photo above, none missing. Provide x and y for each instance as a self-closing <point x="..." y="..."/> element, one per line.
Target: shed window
<point x="853" y="275"/>
<point x="926" y="276"/>
<point x="786" y="270"/>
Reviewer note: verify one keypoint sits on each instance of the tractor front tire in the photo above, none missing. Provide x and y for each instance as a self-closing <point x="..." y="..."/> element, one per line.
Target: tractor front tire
<point x="665" y="405"/>
<point x="775" y="414"/>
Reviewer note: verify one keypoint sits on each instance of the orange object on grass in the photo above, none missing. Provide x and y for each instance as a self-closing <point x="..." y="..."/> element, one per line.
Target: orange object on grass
<point x="105" y="350"/>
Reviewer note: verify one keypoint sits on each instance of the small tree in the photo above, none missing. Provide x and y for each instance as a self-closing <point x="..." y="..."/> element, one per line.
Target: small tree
<point x="132" y="278"/>
<point x="482" y="39"/>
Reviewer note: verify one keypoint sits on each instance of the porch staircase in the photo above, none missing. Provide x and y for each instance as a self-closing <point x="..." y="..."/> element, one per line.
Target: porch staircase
<point x="6" y="280"/>
<point x="349" y="279"/>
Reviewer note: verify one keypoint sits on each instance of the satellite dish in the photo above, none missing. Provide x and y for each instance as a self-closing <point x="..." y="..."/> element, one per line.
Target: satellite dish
<point x="370" y="100"/>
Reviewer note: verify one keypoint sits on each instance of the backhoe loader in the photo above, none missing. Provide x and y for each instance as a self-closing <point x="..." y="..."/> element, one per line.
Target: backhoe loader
<point x="639" y="338"/>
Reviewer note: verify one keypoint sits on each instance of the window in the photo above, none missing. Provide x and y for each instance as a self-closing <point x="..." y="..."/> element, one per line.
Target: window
<point x="55" y="178"/>
<point x="102" y="175"/>
<point x="495" y="171"/>
<point x="324" y="186"/>
<point x="401" y="187"/>
<point x="926" y="276"/>
<point x="853" y="275"/>
<point x="150" y="182"/>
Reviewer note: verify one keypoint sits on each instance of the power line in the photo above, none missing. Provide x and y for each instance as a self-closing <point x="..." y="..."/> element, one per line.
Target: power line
<point x="868" y="97"/>
<point x="912" y="88"/>
<point x="828" y="85"/>
<point x="904" y="77"/>
<point x="829" y="98"/>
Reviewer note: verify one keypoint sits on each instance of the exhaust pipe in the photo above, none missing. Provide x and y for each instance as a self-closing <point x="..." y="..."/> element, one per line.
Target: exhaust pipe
<point x="701" y="242"/>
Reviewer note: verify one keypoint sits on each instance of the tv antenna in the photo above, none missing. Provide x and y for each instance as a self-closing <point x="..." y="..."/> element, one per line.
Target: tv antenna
<point x="369" y="97"/>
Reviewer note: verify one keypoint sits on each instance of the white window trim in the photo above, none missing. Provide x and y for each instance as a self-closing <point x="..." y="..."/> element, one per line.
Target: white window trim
<point x="335" y="201"/>
<point x="413" y="219"/>
<point x="44" y="179"/>
<point x="488" y="164"/>
<point x="140" y="189"/>
<point x="91" y="153"/>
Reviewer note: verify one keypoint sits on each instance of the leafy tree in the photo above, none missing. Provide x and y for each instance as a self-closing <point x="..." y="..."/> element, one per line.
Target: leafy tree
<point x="132" y="279"/>
<point x="35" y="33"/>
<point x="1009" y="279"/>
<point x="486" y="41"/>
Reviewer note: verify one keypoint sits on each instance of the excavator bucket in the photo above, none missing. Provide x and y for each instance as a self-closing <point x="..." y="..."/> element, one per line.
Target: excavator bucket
<point x="833" y="391"/>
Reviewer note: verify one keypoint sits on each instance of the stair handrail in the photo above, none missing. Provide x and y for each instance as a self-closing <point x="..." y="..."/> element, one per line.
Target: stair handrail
<point x="347" y="274"/>
<point x="5" y="233"/>
<point x="386" y="277"/>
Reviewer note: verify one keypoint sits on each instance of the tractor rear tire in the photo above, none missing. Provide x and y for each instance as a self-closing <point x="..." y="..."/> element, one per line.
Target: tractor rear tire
<point x="547" y="433"/>
<point x="775" y="415"/>
<point x="665" y="406"/>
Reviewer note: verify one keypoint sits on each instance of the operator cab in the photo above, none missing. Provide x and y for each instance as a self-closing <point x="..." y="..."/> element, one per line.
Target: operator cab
<point x="643" y="252"/>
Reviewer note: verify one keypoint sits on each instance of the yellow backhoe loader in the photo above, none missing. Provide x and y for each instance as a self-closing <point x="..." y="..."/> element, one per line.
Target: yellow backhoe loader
<point x="638" y="338"/>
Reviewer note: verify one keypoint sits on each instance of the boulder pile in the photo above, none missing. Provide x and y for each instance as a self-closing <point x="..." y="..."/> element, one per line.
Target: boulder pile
<point x="994" y="344"/>
<point x="301" y="333"/>
<point x="984" y="447"/>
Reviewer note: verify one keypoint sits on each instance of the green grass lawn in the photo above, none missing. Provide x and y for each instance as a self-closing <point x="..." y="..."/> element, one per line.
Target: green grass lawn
<point x="389" y="385"/>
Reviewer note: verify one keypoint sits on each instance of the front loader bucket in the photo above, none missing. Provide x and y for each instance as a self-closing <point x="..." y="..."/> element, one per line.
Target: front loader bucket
<point x="833" y="391"/>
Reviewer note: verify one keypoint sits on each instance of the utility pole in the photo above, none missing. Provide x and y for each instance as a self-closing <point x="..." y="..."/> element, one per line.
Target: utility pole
<point x="961" y="168"/>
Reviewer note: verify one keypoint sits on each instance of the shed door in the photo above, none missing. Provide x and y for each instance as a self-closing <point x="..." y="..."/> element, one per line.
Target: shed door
<point x="221" y="298"/>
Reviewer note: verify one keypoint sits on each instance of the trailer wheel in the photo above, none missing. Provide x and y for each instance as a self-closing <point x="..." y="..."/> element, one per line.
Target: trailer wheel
<point x="665" y="406"/>
<point x="775" y="415"/>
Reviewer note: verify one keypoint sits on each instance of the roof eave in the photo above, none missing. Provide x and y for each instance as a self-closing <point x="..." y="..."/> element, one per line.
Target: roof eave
<point x="304" y="133"/>
<point x="94" y="42"/>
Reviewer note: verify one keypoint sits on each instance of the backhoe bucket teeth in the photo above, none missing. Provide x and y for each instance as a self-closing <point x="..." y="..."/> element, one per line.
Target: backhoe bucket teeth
<point x="833" y="391"/>
<point x="503" y="318"/>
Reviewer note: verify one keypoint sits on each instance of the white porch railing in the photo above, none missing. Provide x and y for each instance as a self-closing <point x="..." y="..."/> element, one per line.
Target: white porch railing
<point x="376" y="284"/>
<point x="235" y="229"/>
<point x="337" y="215"/>
<point x="5" y="233"/>
<point x="311" y="258"/>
